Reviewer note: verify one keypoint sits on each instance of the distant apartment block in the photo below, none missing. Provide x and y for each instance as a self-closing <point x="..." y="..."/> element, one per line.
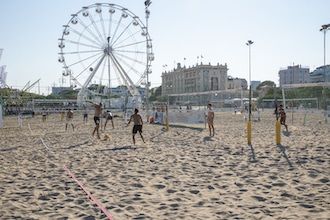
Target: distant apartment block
<point x="236" y="83"/>
<point x="320" y="74"/>
<point x="294" y="75"/>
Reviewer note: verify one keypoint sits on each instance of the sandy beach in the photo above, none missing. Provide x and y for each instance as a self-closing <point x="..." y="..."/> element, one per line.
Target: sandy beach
<point x="178" y="174"/>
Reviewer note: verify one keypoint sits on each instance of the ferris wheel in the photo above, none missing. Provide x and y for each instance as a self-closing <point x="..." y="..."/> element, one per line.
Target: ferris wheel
<point x="104" y="46"/>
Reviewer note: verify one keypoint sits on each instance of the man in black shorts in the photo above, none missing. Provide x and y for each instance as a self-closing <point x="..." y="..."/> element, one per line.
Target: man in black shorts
<point x="138" y="123"/>
<point x="97" y="120"/>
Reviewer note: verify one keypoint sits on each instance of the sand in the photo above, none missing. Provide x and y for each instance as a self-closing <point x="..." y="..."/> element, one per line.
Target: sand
<point x="178" y="174"/>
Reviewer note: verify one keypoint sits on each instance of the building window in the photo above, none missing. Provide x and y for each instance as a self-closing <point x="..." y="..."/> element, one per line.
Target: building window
<point x="214" y="83"/>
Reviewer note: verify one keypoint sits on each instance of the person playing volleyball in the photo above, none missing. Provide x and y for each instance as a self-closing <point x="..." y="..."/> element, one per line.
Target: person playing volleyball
<point x="97" y="115"/>
<point x="282" y="115"/>
<point x="138" y="123"/>
<point x="210" y="117"/>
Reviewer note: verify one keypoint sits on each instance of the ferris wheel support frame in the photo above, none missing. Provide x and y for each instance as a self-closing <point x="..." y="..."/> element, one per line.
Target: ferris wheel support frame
<point x="82" y="92"/>
<point x="128" y="83"/>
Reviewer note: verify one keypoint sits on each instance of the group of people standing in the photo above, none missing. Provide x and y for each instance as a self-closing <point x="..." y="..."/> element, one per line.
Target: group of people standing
<point x="138" y="122"/>
<point x="210" y="118"/>
<point x="97" y="120"/>
<point x="97" y="115"/>
<point x="136" y="118"/>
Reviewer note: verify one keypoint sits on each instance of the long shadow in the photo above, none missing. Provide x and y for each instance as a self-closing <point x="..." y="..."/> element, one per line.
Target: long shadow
<point x="109" y="149"/>
<point x="252" y="154"/>
<point x="74" y="146"/>
<point x="282" y="149"/>
<point x="96" y="150"/>
<point x="123" y="148"/>
<point x="11" y="148"/>
<point x="151" y="138"/>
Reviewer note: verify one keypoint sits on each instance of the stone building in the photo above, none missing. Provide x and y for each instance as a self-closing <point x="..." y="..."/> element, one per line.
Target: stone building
<point x="202" y="84"/>
<point x="199" y="78"/>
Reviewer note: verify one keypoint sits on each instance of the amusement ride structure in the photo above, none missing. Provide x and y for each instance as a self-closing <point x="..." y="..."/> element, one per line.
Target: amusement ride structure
<point x="105" y="46"/>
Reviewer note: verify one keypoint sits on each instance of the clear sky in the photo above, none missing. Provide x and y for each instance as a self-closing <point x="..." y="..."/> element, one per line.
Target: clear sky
<point x="285" y="32"/>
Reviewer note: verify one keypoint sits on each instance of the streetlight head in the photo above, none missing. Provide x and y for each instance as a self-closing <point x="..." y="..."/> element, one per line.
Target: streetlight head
<point x="325" y="27"/>
<point x="249" y="42"/>
<point x="147" y="3"/>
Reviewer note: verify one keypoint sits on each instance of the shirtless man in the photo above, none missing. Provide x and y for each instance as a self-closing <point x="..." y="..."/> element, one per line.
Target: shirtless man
<point x="69" y="118"/>
<point x="138" y="123"/>
<point x="97" y="120"/>
<point x="210" y="117"/>
<point x="282" y="116"/>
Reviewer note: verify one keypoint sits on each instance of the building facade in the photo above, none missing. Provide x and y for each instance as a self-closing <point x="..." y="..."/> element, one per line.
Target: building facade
<point x="201" y="78"/>
<point x="320" y="74"/>
<point x="236" y="83"/>
<point x="294" y="75"/>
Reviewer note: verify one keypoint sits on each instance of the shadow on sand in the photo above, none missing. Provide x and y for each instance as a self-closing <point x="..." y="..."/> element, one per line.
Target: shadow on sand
<point x="253" y="156"/>
<point x="11" y="148"/>
<point x="283" y="149"/>
<point x="207" y="138"/>
<point x="286" y="133"/>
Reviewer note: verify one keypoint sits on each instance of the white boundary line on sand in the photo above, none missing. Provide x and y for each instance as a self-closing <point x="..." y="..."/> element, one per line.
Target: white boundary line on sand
<point x="47" y="148"/>
<point x="88" y="193"/>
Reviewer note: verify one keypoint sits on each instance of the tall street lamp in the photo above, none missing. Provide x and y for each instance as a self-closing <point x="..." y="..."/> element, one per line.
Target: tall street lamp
<point x="147" y="3"/>
<point x="324" y="28"/>
<point x="249" y="43"/>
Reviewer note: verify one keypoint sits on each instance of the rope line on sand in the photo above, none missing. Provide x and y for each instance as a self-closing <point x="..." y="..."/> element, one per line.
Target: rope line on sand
<point x="81" y="186"/>
<point x="88" y="193"/>
<point x="47" y="148"/>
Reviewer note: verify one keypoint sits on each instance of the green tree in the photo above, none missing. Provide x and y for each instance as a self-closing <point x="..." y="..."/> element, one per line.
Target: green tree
<point x="156" y="95"/>
<point x="65" y="94"/>
<point x="265" y="83"/>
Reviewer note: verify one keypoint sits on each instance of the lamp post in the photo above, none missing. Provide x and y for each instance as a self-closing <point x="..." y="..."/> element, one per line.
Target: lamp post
<point x="249" y="43"/>
<point x="147" y="3"/>
<point x="324" y="28"/>
<point x="169" y="86"/>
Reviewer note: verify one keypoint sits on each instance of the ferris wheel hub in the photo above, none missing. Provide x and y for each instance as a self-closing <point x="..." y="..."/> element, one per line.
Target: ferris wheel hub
<point x="108" y="50"/>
